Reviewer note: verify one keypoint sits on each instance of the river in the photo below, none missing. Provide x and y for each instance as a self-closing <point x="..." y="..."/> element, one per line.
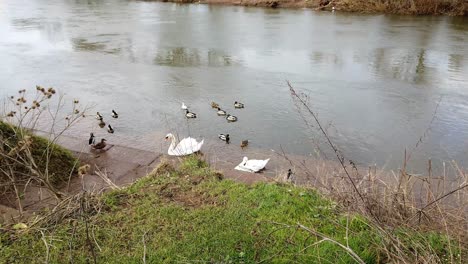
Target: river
<point x="374" y="80"/>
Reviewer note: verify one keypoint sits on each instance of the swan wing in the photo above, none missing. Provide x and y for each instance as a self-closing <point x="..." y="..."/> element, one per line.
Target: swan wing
<point x="187" y="146"/>
<point x="256" y="165"/>
<point x="252" y="165"/>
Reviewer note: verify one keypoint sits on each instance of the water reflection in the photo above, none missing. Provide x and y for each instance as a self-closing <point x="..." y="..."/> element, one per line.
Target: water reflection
<point x="184" y="57"/>
<point x="375" y="78"/>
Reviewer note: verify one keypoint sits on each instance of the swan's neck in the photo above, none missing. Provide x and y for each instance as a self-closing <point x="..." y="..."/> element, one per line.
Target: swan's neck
<point x="173" y="143"/>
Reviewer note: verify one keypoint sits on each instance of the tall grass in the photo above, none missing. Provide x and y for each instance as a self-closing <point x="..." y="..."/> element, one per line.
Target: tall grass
<point x="396" y="200"/>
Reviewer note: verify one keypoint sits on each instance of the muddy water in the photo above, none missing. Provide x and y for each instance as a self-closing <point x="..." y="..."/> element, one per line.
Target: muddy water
<point x="375" y="81"/>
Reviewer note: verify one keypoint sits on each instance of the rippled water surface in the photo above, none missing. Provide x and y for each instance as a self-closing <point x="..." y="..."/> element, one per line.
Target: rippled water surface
<point x="374" y="80"/>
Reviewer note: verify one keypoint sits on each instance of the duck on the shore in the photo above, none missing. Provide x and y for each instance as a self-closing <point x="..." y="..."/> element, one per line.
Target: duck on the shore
<point x="98" y="116"/>
<point x="221" y="112"/>
<point x="288" y="176"/>
<point x="92" y="139"/>
<point x="244" y="143"/>
<point x="184" y="107"/>
<point x="100" y="145"/>
<point x="224" y="137"/>
<point x="231" y="118"/>
<point x="114" y="114"/>
<point x="110" y="129"/>
<point x="189" y="114"/>
<point x="185" y="147"/>
<point x="238" y="105"/>
<point x="252" y="165"/>
<point x="214" y="105"/>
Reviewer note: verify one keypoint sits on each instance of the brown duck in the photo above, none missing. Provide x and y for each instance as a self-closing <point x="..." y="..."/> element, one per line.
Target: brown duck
<point x="100" y="145"/>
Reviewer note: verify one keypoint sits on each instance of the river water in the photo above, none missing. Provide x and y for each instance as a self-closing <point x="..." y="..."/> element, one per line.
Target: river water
<point x="374" y="80"/>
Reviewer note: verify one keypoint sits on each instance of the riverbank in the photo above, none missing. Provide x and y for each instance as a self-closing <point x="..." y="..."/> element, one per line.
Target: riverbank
<point x="401" y="7"/>
<point x="189" y="213"/>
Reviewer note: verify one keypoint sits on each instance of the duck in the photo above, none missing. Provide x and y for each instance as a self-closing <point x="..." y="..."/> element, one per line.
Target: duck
<point x="221" y="112"/>
<point x="98" y="116"/>
<point x="189" y="114"/>
<point x="251" y="166"/>
<point x="224" y="137"/>
<point x="185" y="147"/>
<point x="100" y="145"/>
<point x="231" y="118"/>
<point x="102" y="124"/>
<point x="110" y="129"/>
<point x="244" y="143"/>
<point x="184" y="107"/>
<point x="92" y="139"/>
<point x="214" y="105"/>
<point x="238" y="105"/>
<point x="114" y="114"/>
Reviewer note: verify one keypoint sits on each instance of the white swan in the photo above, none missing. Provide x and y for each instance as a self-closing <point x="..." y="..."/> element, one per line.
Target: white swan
<point x="185" y="147"/>
<point x="252" y="165"/>
<point x="184" y="107"/>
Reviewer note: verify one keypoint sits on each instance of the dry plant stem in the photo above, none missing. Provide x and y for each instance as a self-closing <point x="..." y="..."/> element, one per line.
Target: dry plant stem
<point x="144" y="247"/>
<point x="46" y="246"/>
<point x="22" y="119"/>
<point x="324" y="238"/>
<point x="334" y="148"/>
<point x="85" y="219"/>
<point x="424" y="135"/>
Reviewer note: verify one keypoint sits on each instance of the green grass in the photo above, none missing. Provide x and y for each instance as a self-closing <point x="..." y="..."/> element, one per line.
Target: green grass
<point x="61" y="161"/>
<point x="191" y="215"/>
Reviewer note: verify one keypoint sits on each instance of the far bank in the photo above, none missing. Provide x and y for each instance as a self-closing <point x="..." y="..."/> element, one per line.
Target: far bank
<point x="401" y="7"/>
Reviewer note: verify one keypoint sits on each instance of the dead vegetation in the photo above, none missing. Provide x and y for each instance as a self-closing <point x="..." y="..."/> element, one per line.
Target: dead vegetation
<point x="28" y="160"/>
<point x="395" y="200"/>
<point x="406" y="7"/>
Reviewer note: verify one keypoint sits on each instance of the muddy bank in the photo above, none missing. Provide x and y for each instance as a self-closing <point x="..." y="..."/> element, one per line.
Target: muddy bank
<point x="402" y="7"/>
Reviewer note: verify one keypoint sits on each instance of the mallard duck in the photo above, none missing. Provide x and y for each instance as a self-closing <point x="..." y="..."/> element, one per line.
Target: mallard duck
<point x="238" y="105"/>
<point x="114" y="114"/>
<point x="92" y="139"/>
<point x="251" y="165"/>
<point x="224" y="137"/>
<point x="102" y="124"/>
<point x="100" y="145"/>
<point x="214" y="105"/>
<point x="185" y="147"/>
<point x="244" y="143"/>
<point x="110" y="129"/>
<point x="98" y="116"/>
<point x="184" y="107"/>
<point x="221" y="112"/>
<point x="189" y="114"/>
<point x="231" y="118"/>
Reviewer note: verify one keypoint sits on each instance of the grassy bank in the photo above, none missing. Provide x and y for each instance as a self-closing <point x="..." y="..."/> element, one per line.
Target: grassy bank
<point x="24" y="155"/>
<point x="192" y="215"/>
<point x="405" y="7"/>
